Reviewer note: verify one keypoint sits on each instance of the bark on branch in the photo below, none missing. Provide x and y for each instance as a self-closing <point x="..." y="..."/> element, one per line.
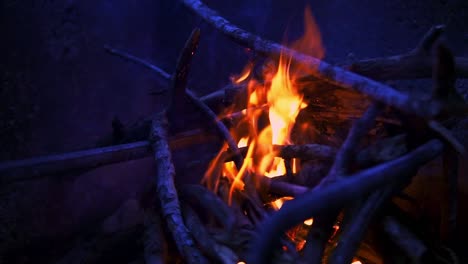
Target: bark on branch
<point x="167" y="192"/>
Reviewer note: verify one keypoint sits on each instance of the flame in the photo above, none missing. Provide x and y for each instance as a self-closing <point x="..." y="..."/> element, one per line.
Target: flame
<point x="278" y="96"/>
<point x="356" y="262"/>
<point x="309" y="222"/>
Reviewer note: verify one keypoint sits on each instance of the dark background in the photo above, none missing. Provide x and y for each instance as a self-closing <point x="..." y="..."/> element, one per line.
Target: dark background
<point x="60" y="90"/>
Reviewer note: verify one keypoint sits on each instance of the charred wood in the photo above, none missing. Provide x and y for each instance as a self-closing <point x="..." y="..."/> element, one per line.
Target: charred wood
<point x="217" y="252"/>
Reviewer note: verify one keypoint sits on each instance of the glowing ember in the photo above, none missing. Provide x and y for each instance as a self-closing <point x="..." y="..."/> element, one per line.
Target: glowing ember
<point x="309" y="222"/>
<point x="356" y="262"/>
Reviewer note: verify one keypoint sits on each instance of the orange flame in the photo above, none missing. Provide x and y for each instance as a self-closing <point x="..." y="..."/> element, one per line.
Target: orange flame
<point x="283" y="100"/>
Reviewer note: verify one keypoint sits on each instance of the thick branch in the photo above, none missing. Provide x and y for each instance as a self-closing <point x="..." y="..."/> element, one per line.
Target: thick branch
<point x="20" y="170"/>
<point x="167" y="193"/>
<point x="333" y="196"/>
<point x="27" y="169"/>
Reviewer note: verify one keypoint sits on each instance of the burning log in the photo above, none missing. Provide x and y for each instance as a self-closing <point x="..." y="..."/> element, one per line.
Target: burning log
<point x="336" y="195"/>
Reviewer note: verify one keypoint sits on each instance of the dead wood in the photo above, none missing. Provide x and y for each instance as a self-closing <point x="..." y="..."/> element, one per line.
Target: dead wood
<point x="323" y="70"/>
<point x="333" y="196"/>
<point x="20" y="170"/>
<point x="356" y="226"/>
<point x="282" y="188"/>
<point x="28" y="169"/>
<point x="406" y="240"/>
<point x="167" y="192"/>
<point x="165" y="189"/>
<point x="321" y="230"/>
<point x="199" y="196"/>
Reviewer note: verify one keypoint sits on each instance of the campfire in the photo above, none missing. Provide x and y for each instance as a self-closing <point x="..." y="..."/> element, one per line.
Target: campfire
<point x="313" y="162"/>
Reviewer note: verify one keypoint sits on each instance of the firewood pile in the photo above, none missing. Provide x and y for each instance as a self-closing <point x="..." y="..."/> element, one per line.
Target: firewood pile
<point x="334" y="202"/>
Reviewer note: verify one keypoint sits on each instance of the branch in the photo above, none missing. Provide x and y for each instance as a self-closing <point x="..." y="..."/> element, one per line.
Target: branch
<point x="333" y="196"/>
<point x="28" y="169"/>
<point x="325" y="71"/>
<point x="198" y="195"/>
<point x="320" y="231"/>
<point x="221" y="254"/>
<point x="21" y="170"/>
<point x="167" y="193"/>
<point x="355" y="230"/>
<point x="199" y="103"/>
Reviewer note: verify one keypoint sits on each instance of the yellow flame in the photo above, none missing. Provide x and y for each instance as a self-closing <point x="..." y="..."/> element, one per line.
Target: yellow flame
<point x="309" y="221"/>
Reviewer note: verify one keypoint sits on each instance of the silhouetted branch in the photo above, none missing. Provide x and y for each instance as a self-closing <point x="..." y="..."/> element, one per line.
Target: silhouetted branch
<point x="333" y="196"/>
<point x="323" y="226"/>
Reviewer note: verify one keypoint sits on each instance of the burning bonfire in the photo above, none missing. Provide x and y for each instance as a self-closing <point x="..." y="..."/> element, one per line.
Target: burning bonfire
<point x="283" y="189"/>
